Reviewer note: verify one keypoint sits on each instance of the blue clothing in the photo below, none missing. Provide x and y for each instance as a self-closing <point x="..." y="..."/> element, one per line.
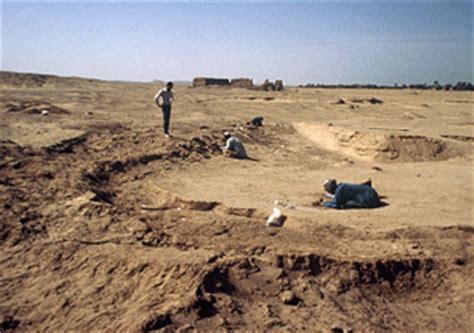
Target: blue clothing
<point x="354" y="196"/>
<point x="257" y="121"/>
<point x="166" y="108"/>
<point x="235" y="145"/>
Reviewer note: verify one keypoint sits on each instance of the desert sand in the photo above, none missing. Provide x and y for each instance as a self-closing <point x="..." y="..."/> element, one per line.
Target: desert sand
<point x="80" y="253"/>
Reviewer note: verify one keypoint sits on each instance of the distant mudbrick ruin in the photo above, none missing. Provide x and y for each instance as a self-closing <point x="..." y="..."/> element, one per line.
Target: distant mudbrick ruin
<point x="245" y="83"/>
<point x="207" y="81"/>
<point x="241" y="83"/>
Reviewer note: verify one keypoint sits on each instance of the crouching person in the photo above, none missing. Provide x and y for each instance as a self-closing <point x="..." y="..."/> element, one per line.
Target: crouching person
<point x="234" y="147"/>
<point x="350" y="195"/>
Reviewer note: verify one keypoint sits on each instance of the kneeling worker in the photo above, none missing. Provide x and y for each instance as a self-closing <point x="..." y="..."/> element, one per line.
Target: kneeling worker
<point x="350" y="195"/>
<point x="234" y="147"/>
<point x="257" y="121"/>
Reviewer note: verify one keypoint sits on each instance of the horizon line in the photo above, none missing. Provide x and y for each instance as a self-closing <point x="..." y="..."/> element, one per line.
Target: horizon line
<point x="398" y="84"/>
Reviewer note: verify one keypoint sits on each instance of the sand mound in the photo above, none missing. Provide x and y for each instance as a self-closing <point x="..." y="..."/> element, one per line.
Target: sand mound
<point x="376" y="146"/>
<point x="263" y="289"/>
<point x="163" y="200"/>
<point x="32" y="107"/>
<point x="24" y="79"/>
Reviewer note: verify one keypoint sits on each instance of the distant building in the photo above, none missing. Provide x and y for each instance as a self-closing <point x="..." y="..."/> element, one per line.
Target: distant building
<point x="207" y="81"/>
<point x="241" y="83"/>
<point x="245" y="83"/>
<point x="270" y="86"/>
<point x="279" y="85"/>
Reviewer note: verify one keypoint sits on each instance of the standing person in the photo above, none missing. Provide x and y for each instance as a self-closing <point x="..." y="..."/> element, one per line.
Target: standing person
<point x="163" y="99"/>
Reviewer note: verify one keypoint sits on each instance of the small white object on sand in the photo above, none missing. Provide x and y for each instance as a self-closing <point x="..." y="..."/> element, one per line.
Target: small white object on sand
<point x="44" y="112"/>
<point x="276" y="219"/>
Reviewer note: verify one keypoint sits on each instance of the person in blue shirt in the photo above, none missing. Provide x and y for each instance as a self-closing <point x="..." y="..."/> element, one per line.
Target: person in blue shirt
<point x="257" y="121"/>
<point x="350" y="195"/>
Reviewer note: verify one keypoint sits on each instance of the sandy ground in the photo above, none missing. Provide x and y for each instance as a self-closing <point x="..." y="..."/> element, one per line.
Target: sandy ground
<point x="79" y="252"/>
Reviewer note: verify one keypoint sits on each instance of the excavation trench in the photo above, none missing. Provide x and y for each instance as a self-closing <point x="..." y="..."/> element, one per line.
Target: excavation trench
<point x="373" y="146"/>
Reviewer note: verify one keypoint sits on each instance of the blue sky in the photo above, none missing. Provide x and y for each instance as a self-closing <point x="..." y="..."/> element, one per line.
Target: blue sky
<point x="325" y="42"/>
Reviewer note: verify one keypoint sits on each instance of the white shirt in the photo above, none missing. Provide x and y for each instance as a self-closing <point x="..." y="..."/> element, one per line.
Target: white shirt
<point x="236" y="146"/>
<point x="166" y="96"/>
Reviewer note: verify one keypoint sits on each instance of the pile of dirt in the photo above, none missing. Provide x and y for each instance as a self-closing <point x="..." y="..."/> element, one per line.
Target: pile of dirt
<point x="85" y="168"/>
<point x="11" y="151"/>
<point x="376" y="146"/>
<point x="32" y="107"/>
<point x="230" y="293"/>
<point x="372" y="100"/>
<point x="457" y="137"/>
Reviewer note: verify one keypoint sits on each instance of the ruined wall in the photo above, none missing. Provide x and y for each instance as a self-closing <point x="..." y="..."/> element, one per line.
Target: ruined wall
<point x="241" y="83"/>
<point x="270" y="86"/>
<point x="206" y="81"/>
<point x="279" y="85"/>
<point x="245" y="83"/>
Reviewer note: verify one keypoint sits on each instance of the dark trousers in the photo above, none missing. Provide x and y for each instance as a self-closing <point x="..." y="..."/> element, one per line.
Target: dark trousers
<point x="166" y="117"/>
